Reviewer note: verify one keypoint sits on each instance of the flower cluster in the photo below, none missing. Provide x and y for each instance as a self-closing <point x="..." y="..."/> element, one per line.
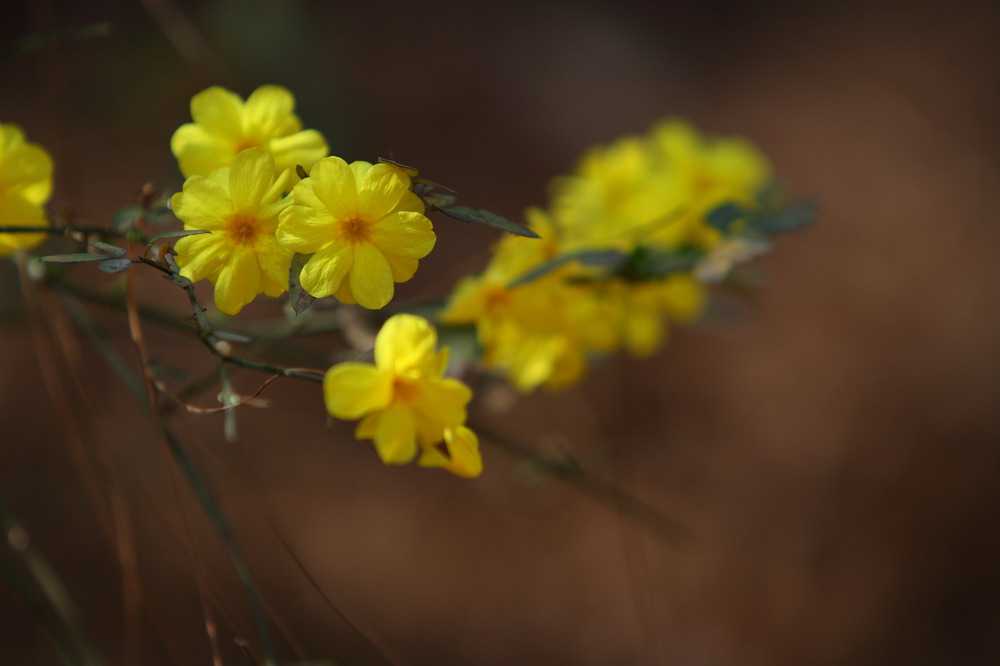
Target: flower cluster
<point x="25" y="186"/>
<point x="405" y="403"/>
<point x="617" y="259"/>
<point x="363" y="227"/>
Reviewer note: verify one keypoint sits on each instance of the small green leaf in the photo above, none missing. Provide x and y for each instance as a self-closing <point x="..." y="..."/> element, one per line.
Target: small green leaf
<point x="790" y="218"/>
<point x="438" y="199"/>
<point x="412" y="172"/>
<point x="599" y="258"/>
<point x="125" y="218"/>
<point x="74" y="258"/>
<point x="177" y="234"/>
<point x="470" y="214"/>
<point x="108" y="248"/>
<point x="722" y="217"/>
<point x="116" y="265"/>
<point x="297" y="296"/>
<point x="646" y="263"/>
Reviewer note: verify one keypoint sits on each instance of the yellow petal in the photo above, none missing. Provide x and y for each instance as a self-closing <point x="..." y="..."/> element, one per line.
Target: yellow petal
<point x="238" y="282"/>
<point x="325" y="270"/>
<point x="404" y="343"/>
<point x="250" y="177"/>
<point x="379" y="190"/>
<point x="268" y="112"/>
<point x="442" y="401"/>
<point x="333" y="183"/>
<point x="303" y="148"/>
<point x="352" y="390"/>
<point x="202" y="257"/>
<point x="198" y="152"/>
<point x="463" y="457"/>
<point x="306" y="226"/>
<point x="15" y="211"/>
<point x="405" y="234"/>
<point x="371" y="277"/>
<point x="219" y="111"/>
<point x="402" y="268"/>
<point x="204" y="204"/>
<point x="396" y="438"/>
<point x="274" y="262"/>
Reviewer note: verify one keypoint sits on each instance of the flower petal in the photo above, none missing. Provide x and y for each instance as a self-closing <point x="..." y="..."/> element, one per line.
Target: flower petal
<point x="396" y="437"/>
<point x="379" y="190"/>
<point x="269" y="112"/>
<point x="404" y="343"/>
<point x="442" y="401"/>
<point x="352" y="390"/>
<point x="304" y="228"/>
<point x="325" y="270"/>
<point x="202" y="257"/>
<point x="274" y="262"/>
<point x="405" y="234"/>
<point x="371" y="277"/>
<point x="219" y="111"/>
<point x="463" y="454"/>
<point x="402" y="267"/>
<point x="238" y="282"/>
<point x="306" y="148"/>
<point x="333" y="183"/>
<point x="250" y="177"/>
<point x="198" y="152"/>
<point x="16" y="211"/>
<point x="204" y="204"/>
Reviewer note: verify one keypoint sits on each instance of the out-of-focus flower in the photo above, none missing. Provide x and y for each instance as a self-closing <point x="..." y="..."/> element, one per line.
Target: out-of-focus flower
<point x="239" y="205"/>
<point x="224" y="125"/>
<point x="404" y="402"/>
<point x="363" y="227"/>
<point x="25" y="186"/>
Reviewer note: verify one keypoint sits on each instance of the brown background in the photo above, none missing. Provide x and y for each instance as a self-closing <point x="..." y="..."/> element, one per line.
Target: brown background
<point x="833" y="439"/>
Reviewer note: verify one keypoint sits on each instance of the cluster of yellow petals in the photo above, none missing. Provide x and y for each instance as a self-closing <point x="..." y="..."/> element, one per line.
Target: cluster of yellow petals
<point x="239" y="206"/>
<point x="224" y="125"/>
<point x="653" y="191"/>
<point x="363" y="227"/>
<point x="404" y="402"/>
<point x="25" y="186"/>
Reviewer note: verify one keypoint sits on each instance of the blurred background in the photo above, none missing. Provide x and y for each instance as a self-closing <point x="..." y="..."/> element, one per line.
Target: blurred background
<point x="833" y="440"/>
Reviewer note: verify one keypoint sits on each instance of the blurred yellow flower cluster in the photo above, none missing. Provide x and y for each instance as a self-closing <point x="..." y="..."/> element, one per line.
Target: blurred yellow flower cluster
<point x="404" y="402"/>
<point x="360" y="223"/>
<point x="597" y="282"/>
<point x="25" y="186"/>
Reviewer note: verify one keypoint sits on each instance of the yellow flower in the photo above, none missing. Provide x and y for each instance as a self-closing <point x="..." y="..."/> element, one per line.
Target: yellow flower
<point x="224" y="125"/>
<point x="25" y="185"/>
<point x="404" y="402"/>
<point x="239" y="205"/>
<point x="539" y="333"/>
<point x="362" y="225"/>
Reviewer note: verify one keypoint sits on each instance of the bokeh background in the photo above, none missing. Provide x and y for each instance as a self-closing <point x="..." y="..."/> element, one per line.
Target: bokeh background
<point x="832" y="438"/>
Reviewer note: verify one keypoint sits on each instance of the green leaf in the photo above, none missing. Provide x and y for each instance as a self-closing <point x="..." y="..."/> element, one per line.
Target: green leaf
<point x="109" y="249"/>
<point x="792" y="217"/>
<point x="599" y="258"/>
<point x="116" y="265"/>
<point x="297" y="296"/>
<point x="646" y="263"/>
<point x="722" y="217"/>
<point x="412" y="172"/>
<point x="438" y="199"/>
<point x="470" y="214"/>
<point x="125" y="218"/>
<point x="74" y="258"/>
<point x="176" y="234"/>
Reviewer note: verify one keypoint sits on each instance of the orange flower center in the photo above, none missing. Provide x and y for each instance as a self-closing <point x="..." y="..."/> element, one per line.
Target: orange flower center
<point x="495" y="298"/>
<point x="242" y="228"/>
<point x="246" y="142"/>
<point x="355" y="230"/>
<point x="403" y="390"/>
